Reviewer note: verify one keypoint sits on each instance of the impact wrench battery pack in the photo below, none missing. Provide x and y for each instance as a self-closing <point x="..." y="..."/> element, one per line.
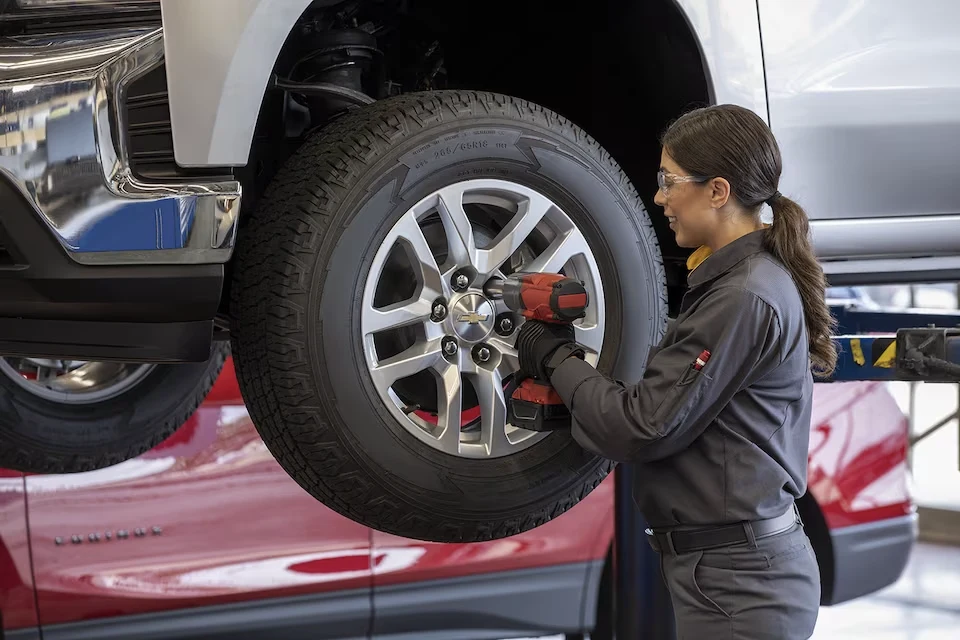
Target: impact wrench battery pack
<point x="537" y="407"/>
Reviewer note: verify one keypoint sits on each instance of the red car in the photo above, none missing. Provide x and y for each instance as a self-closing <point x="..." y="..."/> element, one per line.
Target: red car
<point x="206" y="537"/>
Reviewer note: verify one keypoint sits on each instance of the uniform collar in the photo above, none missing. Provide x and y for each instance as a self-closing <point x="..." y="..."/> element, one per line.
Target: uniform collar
<point x="705" y="265"/>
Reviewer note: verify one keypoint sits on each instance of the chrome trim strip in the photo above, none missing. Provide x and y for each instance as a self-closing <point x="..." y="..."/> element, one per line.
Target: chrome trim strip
<point x="888" y="237"/>
<point x="896" y="269"/>
<point x="62" y="144"/>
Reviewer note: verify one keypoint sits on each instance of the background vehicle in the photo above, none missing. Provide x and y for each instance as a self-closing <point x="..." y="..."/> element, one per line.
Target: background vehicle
<point x="206" y="537"/>
<point x="97" y="413"/>
<point x="311" y="180"/>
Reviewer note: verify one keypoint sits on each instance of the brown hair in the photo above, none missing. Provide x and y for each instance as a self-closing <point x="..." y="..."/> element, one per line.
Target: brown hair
<point x="735" y="143"/>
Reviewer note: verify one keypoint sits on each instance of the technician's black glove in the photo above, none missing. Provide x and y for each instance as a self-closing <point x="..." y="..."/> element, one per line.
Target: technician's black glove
<point x="541" y="346"/>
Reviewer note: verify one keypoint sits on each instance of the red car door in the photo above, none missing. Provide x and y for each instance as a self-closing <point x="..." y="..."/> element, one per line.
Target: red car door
<point x="17" y="604"/>
<point x="545" y="580"/>
<point x="188" y="535"/>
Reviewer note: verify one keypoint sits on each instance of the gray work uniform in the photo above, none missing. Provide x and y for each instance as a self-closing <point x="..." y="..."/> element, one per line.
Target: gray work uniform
<point x="725" y="444"/>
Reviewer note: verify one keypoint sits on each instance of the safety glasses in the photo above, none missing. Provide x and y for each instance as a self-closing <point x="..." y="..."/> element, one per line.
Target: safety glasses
<point x="666" y="180"/>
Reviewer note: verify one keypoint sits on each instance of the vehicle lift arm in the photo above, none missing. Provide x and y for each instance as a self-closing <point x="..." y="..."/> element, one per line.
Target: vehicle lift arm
<point x="873" y="345"/>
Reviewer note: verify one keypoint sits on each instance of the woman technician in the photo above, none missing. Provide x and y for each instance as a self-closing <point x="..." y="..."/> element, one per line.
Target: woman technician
<point x="719" y="425"/>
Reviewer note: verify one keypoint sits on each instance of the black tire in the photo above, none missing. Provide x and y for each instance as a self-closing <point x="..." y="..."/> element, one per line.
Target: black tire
<point x="38" y="435"/>
<point x="302" y="261"/>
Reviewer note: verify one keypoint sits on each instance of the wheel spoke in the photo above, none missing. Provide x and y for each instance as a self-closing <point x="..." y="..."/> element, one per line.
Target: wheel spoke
<point x="406" y="363"/>
<point x="46" y="375"/>
<point x="493" y="411"/>
<point x="396" y="315"/>
<point x="512" y="236"/>
<point x="563" y="247"/>
<point x="456" y="226"/>
<point x="509" y="359"/>
<point x="449" y="403"/>
<point x="408" y="230"/>
<point x="590" y="337"/>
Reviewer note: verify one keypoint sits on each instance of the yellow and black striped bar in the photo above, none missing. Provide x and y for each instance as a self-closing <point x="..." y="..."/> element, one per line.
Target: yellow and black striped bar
<point x="868" y="343"/>
<point x="864" y="357"/>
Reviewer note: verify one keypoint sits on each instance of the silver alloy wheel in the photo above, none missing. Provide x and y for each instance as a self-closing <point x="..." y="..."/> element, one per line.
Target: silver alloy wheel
<point x="74" y="382"/>
<point x="459" y="338"/>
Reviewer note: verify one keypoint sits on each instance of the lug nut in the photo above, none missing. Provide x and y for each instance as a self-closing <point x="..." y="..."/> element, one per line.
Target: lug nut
<point x="439" y="312"/>
<point x="505" y="324"/>
<point x="460" y="280"/>
<point x="450" y="346"/>
<point x="483" y="354"/>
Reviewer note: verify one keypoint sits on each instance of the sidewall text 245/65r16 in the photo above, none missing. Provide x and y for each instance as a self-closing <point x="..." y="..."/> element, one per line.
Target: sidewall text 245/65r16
<point x="301" y="307"/>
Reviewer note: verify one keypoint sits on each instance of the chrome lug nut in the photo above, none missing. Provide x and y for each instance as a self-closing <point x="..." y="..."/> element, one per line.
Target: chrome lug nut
<point x="439" y="312"/>
<point x="483" y="354"/>
<point x="505" y="324"/>
<point x="460" y="280"/>
<point x="450" y="346"/>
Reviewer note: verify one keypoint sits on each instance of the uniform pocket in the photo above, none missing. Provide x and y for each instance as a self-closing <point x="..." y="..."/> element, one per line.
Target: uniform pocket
<point x="785" y="555"/>
<point x="689" y="375"/>
<point x="708" y="584"/>
<point x="674" y="395"/>
<point x="785" y="547"/>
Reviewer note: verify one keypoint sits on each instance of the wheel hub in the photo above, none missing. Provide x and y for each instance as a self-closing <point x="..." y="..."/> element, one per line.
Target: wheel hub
<point x="439" y="352"/>
<point x="473" y="317"/>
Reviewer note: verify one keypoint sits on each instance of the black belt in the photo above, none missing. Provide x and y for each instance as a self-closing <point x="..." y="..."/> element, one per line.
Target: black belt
<point x="686" y="540"/>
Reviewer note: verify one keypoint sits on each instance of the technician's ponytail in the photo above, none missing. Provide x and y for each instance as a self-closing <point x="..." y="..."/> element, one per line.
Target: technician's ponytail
<point x="735" y="143"/>
<point x="788" y="239"/>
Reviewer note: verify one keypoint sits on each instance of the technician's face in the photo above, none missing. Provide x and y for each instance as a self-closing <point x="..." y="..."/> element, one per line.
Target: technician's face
<point x="686" y="204"/>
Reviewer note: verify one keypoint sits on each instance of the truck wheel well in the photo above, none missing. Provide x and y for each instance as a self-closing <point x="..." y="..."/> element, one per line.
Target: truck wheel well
<point x="621" y="70"/>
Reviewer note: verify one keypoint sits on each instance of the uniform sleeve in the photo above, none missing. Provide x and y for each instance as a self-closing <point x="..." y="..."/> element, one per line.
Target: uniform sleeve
<point x="673" y="403"/>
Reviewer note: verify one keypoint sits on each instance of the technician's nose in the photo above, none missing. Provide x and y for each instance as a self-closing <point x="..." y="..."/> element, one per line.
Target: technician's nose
<point x="659" y="198"/>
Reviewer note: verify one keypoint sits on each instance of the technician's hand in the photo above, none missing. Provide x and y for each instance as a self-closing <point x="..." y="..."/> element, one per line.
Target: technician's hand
<point x="538" y="341"/>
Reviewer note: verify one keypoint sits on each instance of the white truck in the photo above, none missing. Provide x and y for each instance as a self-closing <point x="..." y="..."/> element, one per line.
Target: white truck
<point x="326" y="185"/>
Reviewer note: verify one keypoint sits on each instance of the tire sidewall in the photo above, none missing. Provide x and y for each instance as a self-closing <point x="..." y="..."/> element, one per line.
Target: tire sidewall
<point x="133" y="420"/>
<point x="594" y="198"/>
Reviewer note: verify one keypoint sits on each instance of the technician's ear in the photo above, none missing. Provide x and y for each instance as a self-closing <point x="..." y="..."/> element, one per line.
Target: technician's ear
<point x="719" y="192"/>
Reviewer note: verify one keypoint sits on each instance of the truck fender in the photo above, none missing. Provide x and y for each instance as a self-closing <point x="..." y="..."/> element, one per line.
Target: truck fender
<point x="219" y="57"/>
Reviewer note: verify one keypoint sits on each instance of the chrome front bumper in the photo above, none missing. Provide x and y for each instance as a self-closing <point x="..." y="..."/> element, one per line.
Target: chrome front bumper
<point x="64" y="147"/>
